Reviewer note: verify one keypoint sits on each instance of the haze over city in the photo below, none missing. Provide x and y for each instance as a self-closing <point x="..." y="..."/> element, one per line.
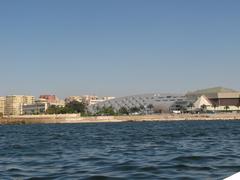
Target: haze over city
<point x="118" y="48"/>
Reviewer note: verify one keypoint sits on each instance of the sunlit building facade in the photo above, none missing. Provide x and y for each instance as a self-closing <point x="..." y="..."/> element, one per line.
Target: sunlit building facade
<point x="14" y="104"/>
<point x="2" y="104"/>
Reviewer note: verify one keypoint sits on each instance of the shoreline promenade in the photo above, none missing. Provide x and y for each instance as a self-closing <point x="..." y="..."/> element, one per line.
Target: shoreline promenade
<point x="49" y="119"/>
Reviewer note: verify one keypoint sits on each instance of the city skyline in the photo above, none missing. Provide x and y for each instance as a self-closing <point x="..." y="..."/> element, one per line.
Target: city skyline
<point x="118" y="48"/>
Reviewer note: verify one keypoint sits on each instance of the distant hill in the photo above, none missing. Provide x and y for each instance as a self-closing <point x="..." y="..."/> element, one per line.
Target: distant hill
<point x="212" y="91"/>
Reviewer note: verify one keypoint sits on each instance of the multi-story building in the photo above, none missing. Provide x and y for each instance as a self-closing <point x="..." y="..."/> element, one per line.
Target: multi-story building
<point x="74" y="98"/>
<point x="28" y="99"/>
<point x="53" y="100"/>
<point x="99" y="100"/>
<point x="49" y="98"/>
<point x="2" y="105"/>
<point x="39" y="107"/>
<point x="91" y="100"/>
<point x="88" y="98"/>
<point x="14" y="104"/>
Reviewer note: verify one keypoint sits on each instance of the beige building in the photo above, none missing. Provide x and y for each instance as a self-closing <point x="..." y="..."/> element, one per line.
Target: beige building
<point x="2" y="104"/>
<point x="14" y="104"/>
<point x="74" y="98"/>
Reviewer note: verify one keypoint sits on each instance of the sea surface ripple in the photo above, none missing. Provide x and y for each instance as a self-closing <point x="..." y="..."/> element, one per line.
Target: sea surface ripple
<point x="141" y="150"/>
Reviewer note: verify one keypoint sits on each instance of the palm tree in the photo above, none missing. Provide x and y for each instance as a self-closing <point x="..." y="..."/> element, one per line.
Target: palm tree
<point x="150" y="106"/>
<point x="123" y="111"/>
<point x="203" y="107"/>
<point x="191" y="105"/>
<point x="215" y="106"/>
<point x="226" y="108"/>
<point x="238" y="106"/>
<point x="134" y="109"/>
<point x="141" y="107"/>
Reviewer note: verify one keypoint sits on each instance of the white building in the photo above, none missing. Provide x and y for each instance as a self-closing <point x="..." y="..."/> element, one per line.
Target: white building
<point x="99" y="100"/>
<point x="74" y="98"/>
<point x="36" y="108"/>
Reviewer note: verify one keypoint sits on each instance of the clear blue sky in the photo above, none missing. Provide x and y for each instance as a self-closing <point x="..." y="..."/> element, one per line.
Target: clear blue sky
<point x="118" y="47"/>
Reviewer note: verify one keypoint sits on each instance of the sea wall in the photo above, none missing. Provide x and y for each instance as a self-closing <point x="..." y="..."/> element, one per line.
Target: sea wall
<point x="34" y="119"/>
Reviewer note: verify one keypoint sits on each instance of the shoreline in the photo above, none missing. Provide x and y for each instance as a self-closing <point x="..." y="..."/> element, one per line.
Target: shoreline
<point x="55" y="119"/>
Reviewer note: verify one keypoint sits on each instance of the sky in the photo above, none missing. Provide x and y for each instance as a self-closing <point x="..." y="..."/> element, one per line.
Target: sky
<point x="118" y="47"/>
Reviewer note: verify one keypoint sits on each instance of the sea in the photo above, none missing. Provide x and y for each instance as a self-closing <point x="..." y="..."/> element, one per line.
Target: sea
<point x="130" y="150"/>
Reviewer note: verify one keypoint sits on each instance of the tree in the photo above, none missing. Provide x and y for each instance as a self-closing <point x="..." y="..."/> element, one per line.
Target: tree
<point x="76" y="107"/>
<point x="123" y="111"/>
<point x="203" y="107"/>
<point x="72" y="107"/>
<point x="134" y="109"/>
<point x="226" y="108"/>
<point x="1" y="115"/>
<point x="106" y="111"/>
<point x="141" y="107"/>
<point x="238" y="105"/>
<point x="52" y="110"/>
<point x="215" y="106"/>
<point x="150" y="107"/>
<point x="191" y="105"/>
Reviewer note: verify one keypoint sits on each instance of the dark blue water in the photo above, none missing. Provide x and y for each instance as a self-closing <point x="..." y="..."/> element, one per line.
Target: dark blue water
<point x="145" y="150"/>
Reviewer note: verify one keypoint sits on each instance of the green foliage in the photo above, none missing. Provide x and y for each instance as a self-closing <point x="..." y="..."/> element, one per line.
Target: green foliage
<point x="72" y="107"/>
<point x="226" y="108"/>
<point x="1" y="115"/>
<point x="123" y="111"/>
<point x="134" y="109"/>
<point x="203" y="107"/>
<point x="52" y="110"/>
<point x="106" y="111"/>
<point x="215" y="106"/>
<point x="150" y="106"/>
<point x="76" y="107"/>
<point x="190" y="105"/>
<point x="142" y="107"/>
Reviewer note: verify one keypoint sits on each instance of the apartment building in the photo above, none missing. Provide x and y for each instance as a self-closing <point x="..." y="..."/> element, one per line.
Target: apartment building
<point x="2" y="104"/>
<point x="91" y="100"/>
<point x="14" y="104"/>
<point x="74" y="98"/>
<point x="39" y="107"/>
<point x="53" y="100"/>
